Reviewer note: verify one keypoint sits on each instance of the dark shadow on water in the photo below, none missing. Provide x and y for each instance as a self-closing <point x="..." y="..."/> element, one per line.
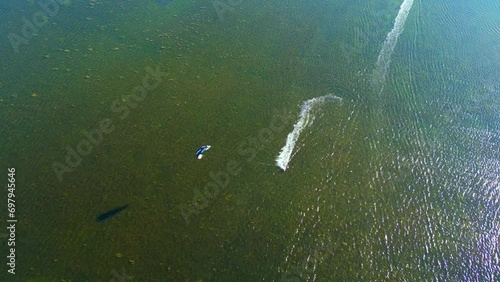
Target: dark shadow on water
<point x="110" y="213"/>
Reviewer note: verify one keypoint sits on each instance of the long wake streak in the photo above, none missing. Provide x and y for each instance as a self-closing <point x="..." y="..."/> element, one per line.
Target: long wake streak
<point x="384" y="57"/>
<point x="305" y="119"/>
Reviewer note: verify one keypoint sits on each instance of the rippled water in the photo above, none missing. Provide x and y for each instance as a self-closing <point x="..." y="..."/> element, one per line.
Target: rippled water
<point x="399" y="181"/>
<point x="423" y="192"/>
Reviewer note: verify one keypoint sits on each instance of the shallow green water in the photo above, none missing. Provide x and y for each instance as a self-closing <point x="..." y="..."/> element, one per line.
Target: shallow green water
<point x="398" y="182"/>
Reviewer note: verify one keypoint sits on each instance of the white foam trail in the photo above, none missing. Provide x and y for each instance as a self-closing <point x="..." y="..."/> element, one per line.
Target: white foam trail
<point x="384" y="57"/>
<point x="305" y="119"/>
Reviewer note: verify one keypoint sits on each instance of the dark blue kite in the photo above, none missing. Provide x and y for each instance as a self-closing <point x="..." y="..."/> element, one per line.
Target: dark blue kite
<point x="201" y="150"/>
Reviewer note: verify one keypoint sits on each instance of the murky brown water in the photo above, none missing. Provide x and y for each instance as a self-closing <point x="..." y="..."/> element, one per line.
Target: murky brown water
<point x="399" y="181"/>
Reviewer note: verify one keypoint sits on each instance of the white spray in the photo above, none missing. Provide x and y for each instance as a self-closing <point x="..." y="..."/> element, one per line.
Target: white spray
<point x="384" y="57"/>
<point x="305" y="119"/>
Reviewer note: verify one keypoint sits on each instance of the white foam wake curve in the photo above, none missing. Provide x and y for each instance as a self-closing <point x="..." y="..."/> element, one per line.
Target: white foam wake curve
<point x="384" y="57"/>
<point x="305" y="119"/>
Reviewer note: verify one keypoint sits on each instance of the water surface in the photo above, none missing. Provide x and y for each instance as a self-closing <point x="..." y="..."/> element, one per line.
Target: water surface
<point x="399" y="182"/>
